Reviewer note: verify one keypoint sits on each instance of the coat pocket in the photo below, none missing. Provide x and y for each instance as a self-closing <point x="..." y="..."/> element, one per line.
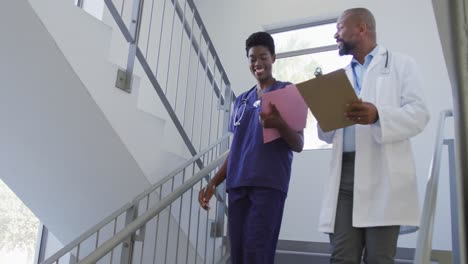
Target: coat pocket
<point x="386" y="92"/>
<point x="379" y="90"/>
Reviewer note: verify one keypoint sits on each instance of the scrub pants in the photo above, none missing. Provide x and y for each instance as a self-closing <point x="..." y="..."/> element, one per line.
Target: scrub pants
<point x="255" y="215"/>
<point x="348" y="242"/>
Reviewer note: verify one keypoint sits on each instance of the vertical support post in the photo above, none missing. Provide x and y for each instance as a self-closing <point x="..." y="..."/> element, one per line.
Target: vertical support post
<point x="459" y="22"/>
<point x="73" y="259"/>
<point x="41" y="244"/>
<point x="80" y="3"/>
<point x="454" y="202"/>
<point x="129" y="243"/>
<point x="125" y="78"/>
<point x="218" y="226"/>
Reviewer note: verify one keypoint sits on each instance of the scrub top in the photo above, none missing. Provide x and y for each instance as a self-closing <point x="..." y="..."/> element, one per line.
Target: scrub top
<point x="252" y="163"/>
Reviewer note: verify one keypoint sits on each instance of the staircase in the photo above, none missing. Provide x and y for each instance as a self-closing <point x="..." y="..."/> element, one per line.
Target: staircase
<point x="301" y="252"/>
<point x="86" y="45"/>
<point x="166" y="143"/>
<point x="59" y="152"/>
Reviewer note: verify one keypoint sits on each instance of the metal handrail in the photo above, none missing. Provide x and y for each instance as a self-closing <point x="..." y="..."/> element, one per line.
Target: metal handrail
<point x="106" y="247"/>
<point x="128" y="37"/>
<point x="179" y="169"/>
<point x="424" y="241"/>
<point x="135" y="201"/>
<point x="152" y="77"/>
<point x="86" y="235"/>
<point x="113" y="10"/>
<point x="208" y="40"/>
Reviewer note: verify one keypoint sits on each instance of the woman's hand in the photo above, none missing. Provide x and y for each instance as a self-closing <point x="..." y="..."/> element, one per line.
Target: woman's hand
<point x="272" y="119"/>
<point x="205" y="195"/>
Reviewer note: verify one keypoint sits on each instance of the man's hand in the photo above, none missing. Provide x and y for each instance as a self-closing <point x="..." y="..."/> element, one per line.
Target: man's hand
<point x="272" y="119"/>
<point x="205" y="195"/>
<point x="362" y="113"/>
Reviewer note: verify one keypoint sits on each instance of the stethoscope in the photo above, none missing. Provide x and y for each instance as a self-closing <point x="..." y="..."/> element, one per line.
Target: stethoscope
<point x="242" y="105"/>
<point x="386" y="68"/>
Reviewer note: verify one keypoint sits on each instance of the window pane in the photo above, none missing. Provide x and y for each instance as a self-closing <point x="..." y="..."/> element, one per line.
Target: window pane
<point x="305" y="38"/>
<point x="301" y="68"/>
<point x="19" y="229"/>
<point x="311" y="140"/>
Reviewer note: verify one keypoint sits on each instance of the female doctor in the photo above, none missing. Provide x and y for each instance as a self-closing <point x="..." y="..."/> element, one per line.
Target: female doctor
<point x="257" y="174"/>
<point x="372" y="189"/>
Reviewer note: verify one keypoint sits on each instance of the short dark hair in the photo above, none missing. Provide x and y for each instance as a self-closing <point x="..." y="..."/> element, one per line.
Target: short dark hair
<point x="260" y="39"/>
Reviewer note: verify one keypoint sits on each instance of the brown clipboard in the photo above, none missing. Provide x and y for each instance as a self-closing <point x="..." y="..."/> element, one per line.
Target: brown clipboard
<point x="327" y="96"/>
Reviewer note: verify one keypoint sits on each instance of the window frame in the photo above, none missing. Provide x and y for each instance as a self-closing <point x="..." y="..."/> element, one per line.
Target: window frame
<point x="288" y="54"/>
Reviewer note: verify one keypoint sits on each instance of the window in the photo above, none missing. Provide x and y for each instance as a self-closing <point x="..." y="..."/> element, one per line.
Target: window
<point x="19" y="229"/>
<point x="299" y="51"/>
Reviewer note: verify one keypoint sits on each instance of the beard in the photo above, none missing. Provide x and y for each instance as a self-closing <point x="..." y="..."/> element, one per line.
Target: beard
<point x="345" y="49"/>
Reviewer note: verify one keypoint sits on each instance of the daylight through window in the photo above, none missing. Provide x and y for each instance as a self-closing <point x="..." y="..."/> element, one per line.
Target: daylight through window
<point x="300" y="50"/>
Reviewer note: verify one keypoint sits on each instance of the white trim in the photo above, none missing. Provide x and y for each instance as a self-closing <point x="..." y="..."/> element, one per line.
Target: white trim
<point x="299" y="23"/>
<point x="41" y="244"/>
<point x="301" y="52"/>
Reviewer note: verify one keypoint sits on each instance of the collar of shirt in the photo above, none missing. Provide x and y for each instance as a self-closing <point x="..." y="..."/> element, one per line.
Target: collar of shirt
<point x="360" y="69"/>
<point x="367" y="59"/>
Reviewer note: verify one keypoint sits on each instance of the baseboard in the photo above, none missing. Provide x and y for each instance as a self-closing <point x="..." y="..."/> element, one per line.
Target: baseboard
<point x="439" y="256"/>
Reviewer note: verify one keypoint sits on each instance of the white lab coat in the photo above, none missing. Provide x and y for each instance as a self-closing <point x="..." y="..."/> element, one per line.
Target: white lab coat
<point x="385" y="188"/>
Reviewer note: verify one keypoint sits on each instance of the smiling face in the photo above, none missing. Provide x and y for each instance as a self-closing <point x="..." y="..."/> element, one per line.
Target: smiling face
<point x="348" y="34"/>
<point x="261" y="63"/>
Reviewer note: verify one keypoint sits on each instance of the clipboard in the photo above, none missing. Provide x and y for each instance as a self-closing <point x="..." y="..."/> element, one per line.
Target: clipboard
<point x="291" y="106"/>
<point x="327" y="96"/>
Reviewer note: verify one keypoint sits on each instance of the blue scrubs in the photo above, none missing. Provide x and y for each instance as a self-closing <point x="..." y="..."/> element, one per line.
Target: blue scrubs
<point x="257" y="182"/>
<point x="255" y="215"/>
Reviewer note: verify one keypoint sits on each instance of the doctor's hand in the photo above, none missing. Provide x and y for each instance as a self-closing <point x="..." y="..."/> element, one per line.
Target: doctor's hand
<point x="272" y="119"/>
<point x="205" y="195"/>
<point x="362" y="113"/>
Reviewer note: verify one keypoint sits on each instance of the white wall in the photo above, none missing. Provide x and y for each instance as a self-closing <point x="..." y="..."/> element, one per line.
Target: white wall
<point x="59" y="154"/>
<point x="85" y="42"/>
<point x="404" y="26"/>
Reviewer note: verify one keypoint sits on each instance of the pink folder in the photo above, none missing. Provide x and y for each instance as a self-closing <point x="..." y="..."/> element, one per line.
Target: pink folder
<point x="291" y="106"/>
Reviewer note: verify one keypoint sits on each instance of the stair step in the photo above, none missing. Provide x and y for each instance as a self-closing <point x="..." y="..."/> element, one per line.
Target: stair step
<point x="288" y="257"/>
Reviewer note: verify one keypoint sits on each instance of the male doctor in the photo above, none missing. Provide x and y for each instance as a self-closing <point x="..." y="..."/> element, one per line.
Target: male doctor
<point x="372" y="189"/>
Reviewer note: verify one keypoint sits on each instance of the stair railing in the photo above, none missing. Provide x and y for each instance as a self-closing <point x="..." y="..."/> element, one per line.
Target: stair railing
<point x="177" y="57"/>
<point x="201" y="113"/>
<point x="179" y="214"/>
<point x="172" y="247"/>
<point x="424" y="241"/>
<point x="174" y="50"/>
